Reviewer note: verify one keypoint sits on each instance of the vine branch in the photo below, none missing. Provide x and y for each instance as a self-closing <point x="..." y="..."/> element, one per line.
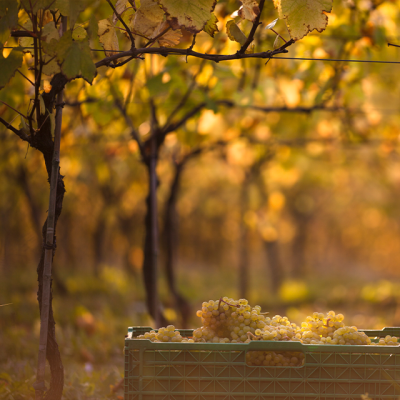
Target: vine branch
<point x="19" y="132"/>
<point x="256" y="24"/>
<point x="165" y="51"/>
<point x="128" y="31"/>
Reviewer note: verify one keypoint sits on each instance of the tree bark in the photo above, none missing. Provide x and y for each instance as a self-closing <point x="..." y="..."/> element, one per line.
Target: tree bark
<point x="171" y="246"/>
<point x="43" y="141"/>
<point x="98" y="243"/>
<point x="243" y="246"/>
<point x="275" y="265"/>
<point x="150" y="259"/>
<point x="299" y="246"/>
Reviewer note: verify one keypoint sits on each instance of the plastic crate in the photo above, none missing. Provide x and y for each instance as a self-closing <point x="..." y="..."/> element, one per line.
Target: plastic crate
<point x="213" y="371"/>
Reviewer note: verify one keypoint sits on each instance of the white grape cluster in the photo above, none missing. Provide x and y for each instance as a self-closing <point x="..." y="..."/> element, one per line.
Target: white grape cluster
<point x="228" y="321"/>
<point x="330" y="329"/>
<point x="168" y="334"/>
<point x="235" y="321"/>
<point x="387" y="341"/>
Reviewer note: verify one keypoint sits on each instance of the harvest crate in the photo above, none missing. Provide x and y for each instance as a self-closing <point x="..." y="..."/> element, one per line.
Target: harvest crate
<point x="213" y="371"/>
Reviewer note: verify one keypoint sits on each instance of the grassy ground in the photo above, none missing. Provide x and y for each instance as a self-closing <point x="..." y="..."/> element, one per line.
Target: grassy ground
<point x="92" y="321"/>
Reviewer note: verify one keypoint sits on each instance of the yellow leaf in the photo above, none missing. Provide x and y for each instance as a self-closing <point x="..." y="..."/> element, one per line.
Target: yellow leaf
<point x="190" y="14"/>
<point x="147" y="18"/>
<point x="170" y="38"/>
<point x="249" y="10"/>
<point x="108" y="37"/>
<point x="234" y="32"/>
<point x="211" y="26"/>
<point x="303" y="16"/>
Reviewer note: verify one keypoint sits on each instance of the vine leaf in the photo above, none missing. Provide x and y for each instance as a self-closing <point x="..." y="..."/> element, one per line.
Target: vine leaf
<point x="189" y="14"/>
<point x="9" y="65"/>
<point x="147" y="18"/>
<point x="70" y="8"/>
<point x="108" y="37"/>
<point x="277" y="42"/>
<point x="234" y="32"/>
<point x="27" y="42"/>
<point x="211" y="26"/>
<point x="78" y="61"/>
<point x="120" y="6"/>
<point x="74" y="56"/>
<point x="49" y="32"/>
<point x="37" y="5"/>
<point x="8" y="18"/>
<point x="79" y="32"/>
<point x="249" y="10"/>
<point x="170" y="38"/>
<point x="150" y="22"/>
<point x="303" y="16"/>
<point x="52" y="67"/>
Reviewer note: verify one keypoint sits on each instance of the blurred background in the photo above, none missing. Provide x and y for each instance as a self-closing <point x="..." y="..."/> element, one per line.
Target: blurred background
<point x="283" y="189"/>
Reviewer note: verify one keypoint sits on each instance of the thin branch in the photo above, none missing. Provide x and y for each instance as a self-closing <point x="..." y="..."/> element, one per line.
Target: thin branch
<point x="12" y="108"/>
<point x="186" y="117"/>
<point x="186" y="96"/>
<point x="230" y="104"/>
<point x="134" y="133"/>
<point x="336" y="60"/>
<point x="165" y="51"/>
<point x="256" y="23"/>
<point x="18" y="132"/>
<point x="25" y="77"/>
<point x="79" y="103"/>
<point x="132" y="83"/>
<point x="277" y="34"/>
<point x="154" y="120"/>
<point x="124" y="24"/>
<point x="122" y="62"/>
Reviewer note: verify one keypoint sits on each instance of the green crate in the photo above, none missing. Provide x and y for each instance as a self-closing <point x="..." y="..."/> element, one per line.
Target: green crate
<point x="213" y="371"/>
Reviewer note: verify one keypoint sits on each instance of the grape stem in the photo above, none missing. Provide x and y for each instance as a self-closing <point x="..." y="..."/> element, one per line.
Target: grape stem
<point x="221" y="300"/>
<point x="327" y="323"/>
<point x="253" y="336"/>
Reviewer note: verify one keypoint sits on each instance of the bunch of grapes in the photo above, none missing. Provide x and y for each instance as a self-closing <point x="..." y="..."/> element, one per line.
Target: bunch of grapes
<point x="234" y="321"/>
<point x="228" y="320"/>
<point x="168" y="334"/>
<point x="387" y="341"/>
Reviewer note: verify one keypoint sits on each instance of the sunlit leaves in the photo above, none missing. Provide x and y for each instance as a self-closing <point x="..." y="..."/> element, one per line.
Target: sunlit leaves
<point x="149" y="22"/>
<point x="27" y="42"/>
<point x="120" y="7"/>
<point x="79" y="32"/>
<point x="9" y="65"/>
<point x="74" y="57"/>
<point x="35" y="6"/>
<point x="8" y="18"/>
<point x="190" y="14"/>
<point x="167" y="37"/>
<point x="211" y="26"/>
<point x="234" y="32"/>
<point x="108" y="37"/>
<point x="71" y="8"/>
<point x="50" y="32"/>
<point x="147" y="18"/>
<point x="78" y="61"/>
<point x="249" y="10"/>
<point x="303" y="16"/>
